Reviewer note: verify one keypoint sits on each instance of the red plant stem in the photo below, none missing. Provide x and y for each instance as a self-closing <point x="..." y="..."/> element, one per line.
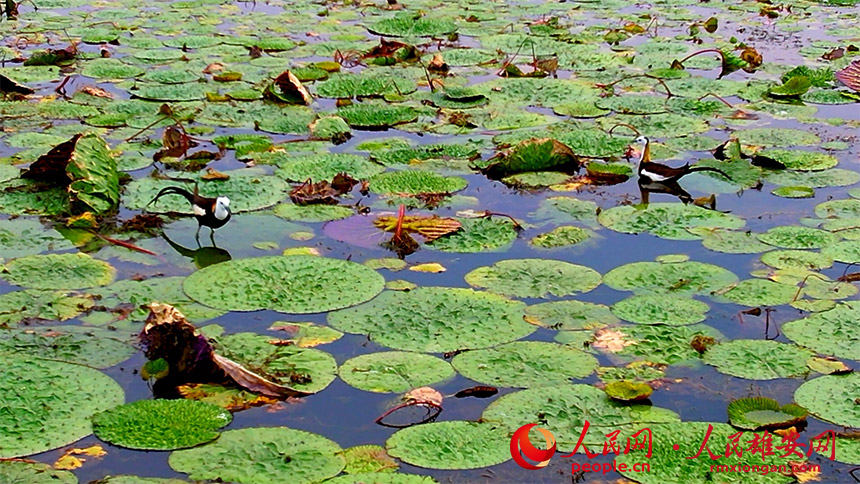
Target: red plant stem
<point x="401" y="214"/>
<point x="703" y="51"/>
<point x="127" y="245"/>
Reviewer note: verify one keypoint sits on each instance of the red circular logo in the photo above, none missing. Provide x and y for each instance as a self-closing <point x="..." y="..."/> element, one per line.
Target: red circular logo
<point x="521" y="447"/>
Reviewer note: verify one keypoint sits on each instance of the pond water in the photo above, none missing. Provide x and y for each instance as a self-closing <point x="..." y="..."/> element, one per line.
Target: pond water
<point x="774" y="240"/>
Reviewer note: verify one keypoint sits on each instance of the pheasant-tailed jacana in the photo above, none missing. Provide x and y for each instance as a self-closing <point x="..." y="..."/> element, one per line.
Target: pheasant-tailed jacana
<point x="209" y="212"/>
<point x="650" y="171"/>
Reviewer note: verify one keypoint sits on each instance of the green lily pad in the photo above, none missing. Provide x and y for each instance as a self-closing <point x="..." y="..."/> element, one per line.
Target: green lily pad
<point x="671" y="465"/>
<point x="262" y="455"/>
<point x="477" y="235"/>
<point x="21" y="236"/>
<point x="21" y="472"/>
<point x="58" y="271"/>
<point x="312" y="213"/>
<point x="191" y="91"/>
<point x="536" y="154"/>
<point x="410" y="154"/>
<point x="628" y="391"/>
<point x="435" y="319"/>
<point x="538" y="278"/>
<point x="681" y="278"/>
<point x="801" y="160"/>
<point x="667" y="220"/>
<point x="160" y="424"/>
<point x="414" y="182"/>
<point x="394" y="371"/>
<point x="660" y="309"/>
<point x="376" y="115"/>
<point x="760" y="292"/>
<point x="794" y="192"/>
<point x="664" y="344"/>
<point x="847" y="251"/>
<point x="777" y="137"/>
<point x="303" y="369"/>
<point x="110" y="68"/>
<point x="17" y="306"/>
<point x="563" y="409"/>
<point x="94" y="347"/>
<point x="536" y="179"/>
<point x="294" y="284"/>
<point x="796" y="259"/>
<point x="832" y="332"/>
<point x="50" y="403"/>
<point x="412" y="25"/>
<point x="382" y="478"/>
<point x="834" y="177"/>
<point x="794" y="237"/>
<point x="831" y="398"/>
<point x="326" y="166"/>
<point x="730" y="241"/>
<point x="247" y="190"/>
<point x="570" y="315"/>
<point x="525" y="364"/>
<point x="454" y="444"/>
<point x="758" y="359"/>
<point x="564" y="236"/>
<point x="22" y="197"/>
<point x="348" y="85"/>
<point x="764" y="413"/>
<point x="364" y="459"/>
<point x="140" y="293"/>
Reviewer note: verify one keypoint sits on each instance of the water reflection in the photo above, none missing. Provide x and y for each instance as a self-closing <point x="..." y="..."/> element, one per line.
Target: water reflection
<point x="201" y="256"/>
<point x="671" y="187"/>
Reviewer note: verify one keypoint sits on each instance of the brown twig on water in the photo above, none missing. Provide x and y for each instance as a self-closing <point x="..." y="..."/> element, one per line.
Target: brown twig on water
<point x="633" y="76"/>
<point x="718" y="97"/>
<point x="127" y="245"/>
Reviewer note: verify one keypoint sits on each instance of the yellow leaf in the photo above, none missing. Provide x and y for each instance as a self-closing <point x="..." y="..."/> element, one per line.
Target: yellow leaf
<point x="429" y="267"/>
<point x="430" y="227"/>
<point x="68" y="462"/>
<point x="92" y="451"/>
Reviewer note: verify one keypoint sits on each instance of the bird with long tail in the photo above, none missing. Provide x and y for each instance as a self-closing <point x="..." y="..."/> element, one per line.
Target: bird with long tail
<point x="660" y="178"/>
<point x="212" y="212"/>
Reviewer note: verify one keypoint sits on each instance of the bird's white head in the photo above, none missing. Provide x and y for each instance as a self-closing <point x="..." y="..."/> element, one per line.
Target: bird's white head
<point x="222" y="208"/>
<point x="644" y="148"/>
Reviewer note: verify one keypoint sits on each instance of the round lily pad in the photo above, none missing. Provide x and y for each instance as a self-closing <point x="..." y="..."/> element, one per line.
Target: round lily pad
<point x="293" y="284"/>
<point x="563" y="409"/>
<point x="834" y="332"/>
<point x="362" y="459"/>
<point x="663" y="344"/>
<point x="17" y="306"/>
<point x="847" y="251"/>
<point x="846" y="208"/>
<point x="409" y="25"/>
<point x="312" y="213"/>
<point x="435" y="319"/>
<point x="21" y="472"/>
<point x="376" y="115"/>
<point x="536" y="278"/>
<point x="247" y="190"/>
<point x="454" y="444"/>
<point x="760" y="292"/>
<point x="667" y="220"/>
<point x="95" y="347"/>
<point x="381" y="478"/>
<point x="414" y="182"/>
<point x="796" y="259"/>
<point x="758" y="359"/>
<point x="564" y="236"/>
<point x="801" y="160"/>
<point x="764" y="413"/>
<point x="49" y="404"/>
<point x="160" y="424"/>
<point x="660" y="309"/>
<point x="675" y="444"/>
<point x="832" y="398"/>
<point x="58" y="271"/>
<point x="688" y="277"/>
<point x="394" y="371"/>
<point x="794" y="192"/>
<point x="834" y="177"/>
<point x="525" y="364"/>
<point x="570" y="315"/>
<point x="262" y="455"/>
<point x="477" y="235"/>
<point x="776" y="137"/>
<point x="326" y="166"/>
<point x="794" y="237"/>
<point x="730" y="241"/>
<point x="299" y="368"/>
<point x="628" y="391"/>
<point x="23" y="236"/>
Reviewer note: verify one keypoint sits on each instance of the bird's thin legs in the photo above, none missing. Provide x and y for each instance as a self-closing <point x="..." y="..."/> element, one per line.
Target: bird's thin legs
<point x="197" y="235"/>
<point x="212" y="236"/>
